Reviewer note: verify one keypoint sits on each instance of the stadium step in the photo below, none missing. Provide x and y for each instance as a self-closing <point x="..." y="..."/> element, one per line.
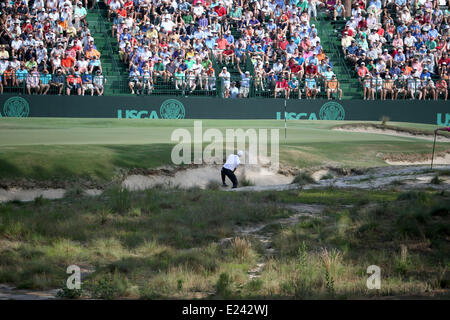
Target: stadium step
<point x="332" y="48"/>
<point x="114" y="70"/>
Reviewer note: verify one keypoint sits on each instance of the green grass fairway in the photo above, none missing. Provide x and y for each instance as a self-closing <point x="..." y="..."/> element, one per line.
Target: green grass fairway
<point x="49" y="148"/>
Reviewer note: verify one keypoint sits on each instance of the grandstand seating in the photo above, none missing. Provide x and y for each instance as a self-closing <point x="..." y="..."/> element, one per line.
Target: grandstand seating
<point x="116" y="71"/>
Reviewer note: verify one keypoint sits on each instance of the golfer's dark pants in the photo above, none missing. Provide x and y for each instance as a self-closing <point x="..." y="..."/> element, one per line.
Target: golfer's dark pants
<point x="230" y="174"/>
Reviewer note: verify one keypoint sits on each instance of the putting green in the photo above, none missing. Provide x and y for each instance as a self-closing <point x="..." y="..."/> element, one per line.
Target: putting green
<point x="49" y="148"/>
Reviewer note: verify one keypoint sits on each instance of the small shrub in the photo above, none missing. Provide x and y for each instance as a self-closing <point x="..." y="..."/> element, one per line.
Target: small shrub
<point x="300" y="287"/>
<point x="303" y="178"/>
<point x="368" y="227"/>
<point x="180" y="284"/>
<point x="440" y="210"/>
<point x="402" y="263"/>
<point x="135" y="212"/>
<point x="407" y="225"/>
<point x="223" y="285"/>
<point x="329" y="283"/>
<point x="66" y="293"/>
<point x="109" y="287"/>
<point x="302" y="255"/>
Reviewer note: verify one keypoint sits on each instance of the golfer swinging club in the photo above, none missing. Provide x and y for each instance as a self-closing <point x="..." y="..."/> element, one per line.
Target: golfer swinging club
<point x="229" y="168"/>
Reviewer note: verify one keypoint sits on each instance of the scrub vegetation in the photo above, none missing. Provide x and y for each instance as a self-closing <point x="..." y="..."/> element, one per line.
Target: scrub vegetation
<point x="187" y="244"/>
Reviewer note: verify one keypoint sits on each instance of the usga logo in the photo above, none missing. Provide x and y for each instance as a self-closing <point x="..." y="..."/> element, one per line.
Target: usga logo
<point x="170" y="109"/>
<point x="329" y="111"/>
<point x="441" y="121"/>
<point x="16" y="107"/>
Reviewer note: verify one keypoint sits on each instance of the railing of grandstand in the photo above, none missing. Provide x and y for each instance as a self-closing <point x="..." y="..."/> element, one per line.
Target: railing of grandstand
<point x="215" y="87"/>
<point x="37" y="85"/>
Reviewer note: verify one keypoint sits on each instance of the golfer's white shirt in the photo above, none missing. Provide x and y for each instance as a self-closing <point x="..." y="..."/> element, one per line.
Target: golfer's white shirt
<point x="232" y="162"/>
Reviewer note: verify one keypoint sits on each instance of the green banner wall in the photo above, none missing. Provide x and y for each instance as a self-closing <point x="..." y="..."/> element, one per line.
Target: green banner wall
<point x="168" y="107"/>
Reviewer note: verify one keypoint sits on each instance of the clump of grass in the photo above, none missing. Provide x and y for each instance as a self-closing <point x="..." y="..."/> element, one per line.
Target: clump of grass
<point x="40" y="201"/>
<point x="120" y="199"/>
<point x="384" y="120"/>
<point x="254" y="285"/>
<point x="303" y="178"/>
<point x="74" y="192"/>
<point x="331" y="259"/>
<point x="436" y="180"/>
<point x="327" y="176"/>
<point x="397" y="183"/>
<point x="418" y="196"/>
<point x="272" y="197"/>
<point x="104" y="216"/>
<point x="213" y="185"/>
<point x="246" y="182"/>
<point x="241" y="248"/>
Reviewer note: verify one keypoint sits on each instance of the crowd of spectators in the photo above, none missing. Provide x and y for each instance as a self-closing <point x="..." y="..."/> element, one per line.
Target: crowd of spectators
<point x="175" y="42"/>
<point x="399" y="48"/>
<point x="46" y="46"/>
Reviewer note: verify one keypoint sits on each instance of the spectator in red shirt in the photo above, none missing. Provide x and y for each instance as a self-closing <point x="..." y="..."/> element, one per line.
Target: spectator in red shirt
<point x="348" y="30"/>
<point x="282" y="86"/>
<point x="220" y="11"/>
<point x="27" y="27"/>
<point x="296" y="69"/>
<point x="441" y="87"/>
<point x="228" y="54"/>
<point x="362" y="24"/>
<point x="128" y="4"/>
<point x="283" y="44"/>
<point x="311" y="69"/>
<point x="445" y="59"/>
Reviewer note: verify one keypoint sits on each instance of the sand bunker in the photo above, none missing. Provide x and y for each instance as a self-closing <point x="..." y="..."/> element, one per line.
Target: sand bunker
<point x="392" y="132"/>
<point x="202" y="176"/>
<point x="438" y="160"/>
<point x="20" y="194"/>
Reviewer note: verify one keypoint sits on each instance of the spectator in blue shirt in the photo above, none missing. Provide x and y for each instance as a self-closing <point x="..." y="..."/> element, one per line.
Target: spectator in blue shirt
<point x="44" y="82"/>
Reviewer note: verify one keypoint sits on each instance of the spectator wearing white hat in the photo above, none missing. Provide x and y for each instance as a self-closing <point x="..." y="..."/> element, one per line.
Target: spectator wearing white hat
<point x="225" y="77"/>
